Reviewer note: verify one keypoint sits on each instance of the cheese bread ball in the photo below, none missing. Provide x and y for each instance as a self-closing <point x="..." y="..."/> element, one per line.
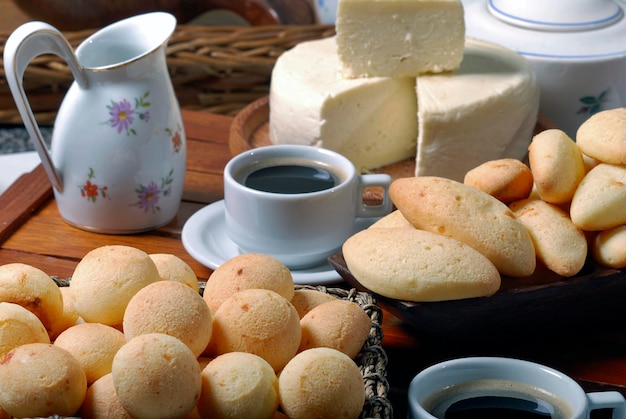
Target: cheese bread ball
<point x="34" y="290"/>
<point x="39" y="380"/>
<point x="260" y="322"/>
<point x="70" y="316"/>
<point x="173" y="268"/>
<point x="106" y="279"/>
<point x="250" y="270"/>
<point x="603" y="136"/>
<point x="338" y="324"/>
<point x="101" y="401"/>
<point x="156" y="376"/>
<point x="172" y="308"/>
<point x="94" y="345"/>
<point x="321" y="383"/>
<point x="19" y="326"/>
<point x="304" y="300"/>
<point x="238" y="385"/>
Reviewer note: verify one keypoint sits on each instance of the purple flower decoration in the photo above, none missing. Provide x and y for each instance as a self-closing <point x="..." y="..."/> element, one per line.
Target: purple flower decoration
<point x="121" y="115"/>
<point x="148" y="197"/>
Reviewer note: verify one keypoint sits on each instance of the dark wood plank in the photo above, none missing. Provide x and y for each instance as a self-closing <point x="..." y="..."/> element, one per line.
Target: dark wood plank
<point x="21" y="199"/>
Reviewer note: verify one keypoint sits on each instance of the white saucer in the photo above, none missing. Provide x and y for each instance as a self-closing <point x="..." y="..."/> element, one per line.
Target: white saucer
<point x="205" y="239"/>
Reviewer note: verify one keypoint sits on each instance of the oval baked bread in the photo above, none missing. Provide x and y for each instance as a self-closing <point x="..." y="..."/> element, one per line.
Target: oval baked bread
<point x="507" y="180"/>
<point x="609" y="247"/>
<point x="600" y="199"/>
<point x="603" y="136"/>
<point x="467" y="214"/>
<point x="417" y="265"/>
<point x="559" y="244"/>
<point x="557" y="165"/>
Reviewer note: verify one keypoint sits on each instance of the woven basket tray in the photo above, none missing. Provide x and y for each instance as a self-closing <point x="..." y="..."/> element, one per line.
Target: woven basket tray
<point x="217" y="69"/>
<point x="372" y="360"/>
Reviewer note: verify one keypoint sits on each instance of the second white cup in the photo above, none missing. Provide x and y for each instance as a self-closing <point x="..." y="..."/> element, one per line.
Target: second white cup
<point x="296" y="203"/>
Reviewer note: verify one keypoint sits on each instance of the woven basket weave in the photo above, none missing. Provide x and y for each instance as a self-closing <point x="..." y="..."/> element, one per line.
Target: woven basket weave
<point x="217" y="69"/>
<point x="372" y="359"/>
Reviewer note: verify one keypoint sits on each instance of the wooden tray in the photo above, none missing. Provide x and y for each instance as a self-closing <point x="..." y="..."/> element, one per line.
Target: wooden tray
<point x="543" y="304"/>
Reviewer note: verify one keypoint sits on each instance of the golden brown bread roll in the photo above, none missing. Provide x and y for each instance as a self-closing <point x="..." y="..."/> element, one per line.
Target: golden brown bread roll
<point x="257" y="321"/>
<point x="417" y="265"/>
<point x="156" y="376"/>
<point x="238" y="385"/>
<point x="101" y="401"/>
<point x="173" y="268"/>
<point x="462" y="212"/>
<point x="557" y="165"/>
<point x="173" y="308"/>
<point x="39" y="380"/>
<point x="106" y="279"/>
<point x="559" y="244"/>
<point x="338" y="324"/>
<point x="93" y="345"/>
<point x="19" y="326"/>
<point x="600" y="198"/>
<point x="249" y="270"/>
<point x="603" y="136"/>
<point x="34" y="290"/>
<point x="305" y="391"/>
<point x="507" y="180"/>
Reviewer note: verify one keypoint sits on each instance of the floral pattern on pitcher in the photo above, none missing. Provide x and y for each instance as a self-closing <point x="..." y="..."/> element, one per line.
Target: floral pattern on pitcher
<point x="122" y="114"/>
<point x="148" y="196"/>
<point x="92" y="190"/>
<point x="176" y="138"/>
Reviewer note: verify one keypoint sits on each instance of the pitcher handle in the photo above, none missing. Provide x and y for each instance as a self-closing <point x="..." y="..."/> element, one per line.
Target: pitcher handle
<point x="27" y="42"/>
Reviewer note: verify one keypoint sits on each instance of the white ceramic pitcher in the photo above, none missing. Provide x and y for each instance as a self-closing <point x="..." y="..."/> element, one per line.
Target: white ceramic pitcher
<point x="117" y="158"/>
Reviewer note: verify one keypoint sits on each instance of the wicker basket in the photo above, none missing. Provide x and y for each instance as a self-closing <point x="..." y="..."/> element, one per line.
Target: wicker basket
<point x="217" y="69"/>
<point x="372" y="359"/>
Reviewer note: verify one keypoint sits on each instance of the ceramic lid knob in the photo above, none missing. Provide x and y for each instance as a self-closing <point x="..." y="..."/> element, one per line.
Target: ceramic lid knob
<point x="557" y="15"/>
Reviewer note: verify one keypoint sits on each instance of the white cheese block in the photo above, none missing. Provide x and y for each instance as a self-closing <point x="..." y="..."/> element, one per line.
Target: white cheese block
<point x="372" y="121"/>
<point x="485" y="110"/>
<point x="399" y="38"/>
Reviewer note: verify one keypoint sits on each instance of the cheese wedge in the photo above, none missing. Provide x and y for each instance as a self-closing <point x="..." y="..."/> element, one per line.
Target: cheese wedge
<point x="486" y="110"/>
<point x="399" y="38"/>
<point x="371" y="121"/>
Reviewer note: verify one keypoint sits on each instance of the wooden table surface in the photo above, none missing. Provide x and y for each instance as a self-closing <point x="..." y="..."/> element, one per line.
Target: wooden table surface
<point x="31" y="231"/>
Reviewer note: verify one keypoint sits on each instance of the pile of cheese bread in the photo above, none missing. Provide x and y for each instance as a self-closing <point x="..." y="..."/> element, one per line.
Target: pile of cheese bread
<point x="400" y="81"/>
<point x="132" y="337"/>
<point x="452" y="240"/>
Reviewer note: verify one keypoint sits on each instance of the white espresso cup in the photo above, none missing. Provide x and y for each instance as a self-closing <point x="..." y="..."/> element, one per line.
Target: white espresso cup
<point x="467" y="385"/>
<point x="309" y="220"/>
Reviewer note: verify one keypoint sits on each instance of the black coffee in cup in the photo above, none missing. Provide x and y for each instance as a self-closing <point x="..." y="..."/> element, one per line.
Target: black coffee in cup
<point x="490" y="399"/>
<point x="289" y="175"/>
<point x="291" y="179"/>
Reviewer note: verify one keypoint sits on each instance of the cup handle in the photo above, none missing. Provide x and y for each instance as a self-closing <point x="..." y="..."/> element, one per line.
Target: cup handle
<point x="607" y="400"/>
<point x="27" y="42"/>
<point x="374" y="180"/>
